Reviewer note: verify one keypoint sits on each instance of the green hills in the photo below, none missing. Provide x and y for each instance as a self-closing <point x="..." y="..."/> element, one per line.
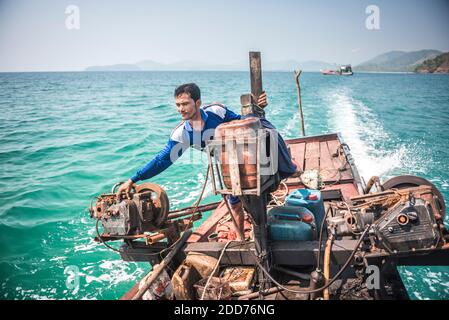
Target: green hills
<point x="397" y="61"/>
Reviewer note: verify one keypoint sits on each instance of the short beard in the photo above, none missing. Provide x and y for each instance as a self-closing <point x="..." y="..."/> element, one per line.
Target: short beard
<point x="193" y="115"/>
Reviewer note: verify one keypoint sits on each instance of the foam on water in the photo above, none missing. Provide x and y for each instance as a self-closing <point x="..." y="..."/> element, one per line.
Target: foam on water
<point x="366" y="137"/>
<point x="291" y="126"/>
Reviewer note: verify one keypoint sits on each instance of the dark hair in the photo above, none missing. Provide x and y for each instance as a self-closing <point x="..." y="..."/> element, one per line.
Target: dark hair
<point x="191" y="88"/>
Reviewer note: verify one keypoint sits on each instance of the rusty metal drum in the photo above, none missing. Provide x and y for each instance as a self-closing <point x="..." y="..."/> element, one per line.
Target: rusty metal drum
<point x="243" y="133"/>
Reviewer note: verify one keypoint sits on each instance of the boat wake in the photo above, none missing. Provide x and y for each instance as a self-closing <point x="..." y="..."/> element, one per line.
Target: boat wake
<point x="374" y="151"/>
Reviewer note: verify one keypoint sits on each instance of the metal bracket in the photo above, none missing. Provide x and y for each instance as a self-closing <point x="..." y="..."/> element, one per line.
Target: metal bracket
<point x="249" y="107"/>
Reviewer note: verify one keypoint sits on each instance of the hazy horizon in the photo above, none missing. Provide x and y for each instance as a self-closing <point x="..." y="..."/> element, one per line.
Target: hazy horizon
<point x="34" y="35"/>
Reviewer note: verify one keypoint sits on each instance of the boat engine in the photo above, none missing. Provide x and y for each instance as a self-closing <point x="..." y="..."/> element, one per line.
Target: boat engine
<point x="400" y="220"/>
<point x="145" y="211"/>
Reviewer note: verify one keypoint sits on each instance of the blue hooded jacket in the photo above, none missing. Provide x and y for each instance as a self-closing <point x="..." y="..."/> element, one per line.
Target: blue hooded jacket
<point x="183" y="137"/>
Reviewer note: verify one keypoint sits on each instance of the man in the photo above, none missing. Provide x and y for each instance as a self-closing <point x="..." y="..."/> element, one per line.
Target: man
<point x="197" y="126"/>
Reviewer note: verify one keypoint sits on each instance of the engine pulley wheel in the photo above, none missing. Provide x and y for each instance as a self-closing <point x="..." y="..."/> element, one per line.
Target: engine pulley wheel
<point x="160" y="201"/>
<point x="407" y="181"/>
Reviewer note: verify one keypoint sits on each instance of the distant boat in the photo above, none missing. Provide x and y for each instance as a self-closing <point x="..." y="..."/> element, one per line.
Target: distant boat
<point x="345" y="70"/>
<point x="329" y="72"/>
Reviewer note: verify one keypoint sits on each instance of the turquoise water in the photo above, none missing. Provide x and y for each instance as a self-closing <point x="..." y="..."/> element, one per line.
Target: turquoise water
<point x="65" y="137"/>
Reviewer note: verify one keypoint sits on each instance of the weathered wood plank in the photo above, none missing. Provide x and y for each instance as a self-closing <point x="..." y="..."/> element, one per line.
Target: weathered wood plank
<point x="323" y="137"/>
<point x="312" y="156"/>
<point x="236" y="253"/>
<point x="328" y="171"/>
<point x="297" y="151"/>
<point x="231" y="148"/>
<point x="339" y="161"/>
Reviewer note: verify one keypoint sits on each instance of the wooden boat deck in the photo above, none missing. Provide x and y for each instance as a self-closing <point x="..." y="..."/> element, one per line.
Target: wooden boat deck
<point x="325" y="153"/>
<point x="322" y="153"/>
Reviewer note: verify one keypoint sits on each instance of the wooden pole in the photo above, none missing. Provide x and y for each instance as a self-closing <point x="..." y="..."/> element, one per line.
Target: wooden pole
<point x="301" y="115"/>
<point x="255" y="67"/>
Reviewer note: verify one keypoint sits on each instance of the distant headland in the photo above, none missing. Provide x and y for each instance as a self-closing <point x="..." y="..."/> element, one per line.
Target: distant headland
<point x="439" y="64"/>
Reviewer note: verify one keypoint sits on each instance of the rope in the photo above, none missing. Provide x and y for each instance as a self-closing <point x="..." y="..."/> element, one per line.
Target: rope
<point x="278" y="200"/>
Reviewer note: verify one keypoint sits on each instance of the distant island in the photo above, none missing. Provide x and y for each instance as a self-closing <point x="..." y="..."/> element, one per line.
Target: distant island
<point x="114" y="67"/>
<point x="394" y="61"/>
<point x="439" y="64"/>
<point x="397" y="61"/>
<point x="150" y="65"/>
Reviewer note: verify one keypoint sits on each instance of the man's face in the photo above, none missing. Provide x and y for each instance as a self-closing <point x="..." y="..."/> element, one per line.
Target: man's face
<point x="187" y="108"/>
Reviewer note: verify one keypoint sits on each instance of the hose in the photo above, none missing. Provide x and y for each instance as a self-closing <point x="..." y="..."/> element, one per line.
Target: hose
<point x="303" y="276"/>
<point x="374" y="180"/>
<point x="101" y="239"/>
<point x="327" y="285"/>
<point x="327" y="264"/>
<point x="320" y="241"/>
<point x="215" y="268"/>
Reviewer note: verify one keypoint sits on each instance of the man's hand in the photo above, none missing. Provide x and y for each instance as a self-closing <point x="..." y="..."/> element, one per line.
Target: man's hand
<point x="262" y="101"/>
<point x="127" y="186"/>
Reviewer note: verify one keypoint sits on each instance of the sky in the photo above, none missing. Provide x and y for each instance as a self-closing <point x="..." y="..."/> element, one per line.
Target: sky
<point x="34" y="35"/>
